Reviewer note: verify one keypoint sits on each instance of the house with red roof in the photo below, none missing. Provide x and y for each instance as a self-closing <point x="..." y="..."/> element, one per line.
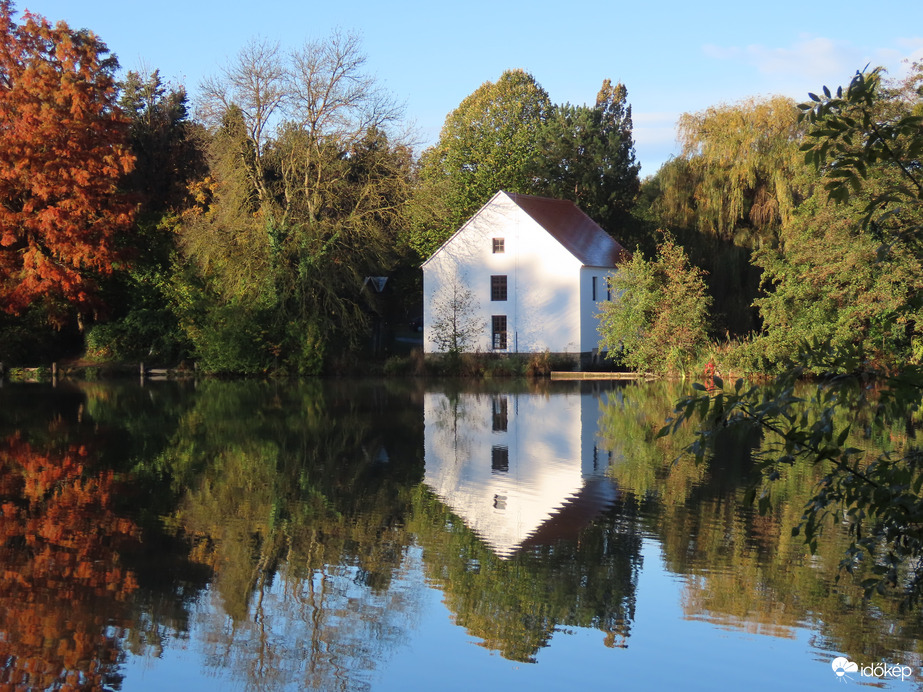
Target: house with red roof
<point x="533" y="271"/>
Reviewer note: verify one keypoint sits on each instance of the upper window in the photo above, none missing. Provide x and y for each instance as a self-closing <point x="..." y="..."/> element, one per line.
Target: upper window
<point x="499" y="246"/>
<point x="594" y="288"/>
<point x="498" y="287"/>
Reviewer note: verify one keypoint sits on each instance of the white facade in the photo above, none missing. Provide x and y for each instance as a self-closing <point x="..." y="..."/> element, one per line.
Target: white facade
<point x="498" y="464"/>
<point x="519" y="273"/>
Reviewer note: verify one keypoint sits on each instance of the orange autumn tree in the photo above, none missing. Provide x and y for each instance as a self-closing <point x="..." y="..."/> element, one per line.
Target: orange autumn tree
<point x="62" y="153"/>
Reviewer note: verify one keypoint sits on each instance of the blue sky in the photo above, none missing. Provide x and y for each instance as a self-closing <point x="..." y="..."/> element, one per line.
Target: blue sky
<point x="674" y="57"/>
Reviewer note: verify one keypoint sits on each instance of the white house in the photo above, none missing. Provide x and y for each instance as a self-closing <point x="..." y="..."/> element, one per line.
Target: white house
<point x="514" y="479"/>
<point x="536" y="271"/>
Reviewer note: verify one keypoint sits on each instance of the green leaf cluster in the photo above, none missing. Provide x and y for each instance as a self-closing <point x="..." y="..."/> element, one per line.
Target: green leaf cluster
<point x="847" y="266"/>
<point x="739" y="175"/>
<point x="658" y="319"/>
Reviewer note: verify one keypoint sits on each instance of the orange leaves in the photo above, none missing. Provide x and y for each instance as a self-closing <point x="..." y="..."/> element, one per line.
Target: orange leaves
<point x="60" y="572"/>
<point x="62" y="154"/>
<point x="63" y="517"/>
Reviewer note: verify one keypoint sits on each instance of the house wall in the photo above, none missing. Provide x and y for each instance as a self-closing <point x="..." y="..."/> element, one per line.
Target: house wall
<point x="590" y="308"/>
<point x="543" y="282"/>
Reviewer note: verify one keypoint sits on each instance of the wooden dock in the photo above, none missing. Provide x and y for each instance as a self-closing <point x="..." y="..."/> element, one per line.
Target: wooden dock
<point x="581" y="375"/>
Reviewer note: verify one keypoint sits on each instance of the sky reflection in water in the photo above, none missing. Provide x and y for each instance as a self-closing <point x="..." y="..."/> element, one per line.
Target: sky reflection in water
<point x="346" y="536"/>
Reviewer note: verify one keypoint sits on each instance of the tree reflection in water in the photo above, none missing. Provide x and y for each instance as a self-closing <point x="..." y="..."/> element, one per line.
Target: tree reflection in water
<point x="64" y="585"/>
<point x="515" y="605"/>
<point x="744" y="569"/>
<point x="285" y="532"/>
<point x="296" y="498"/>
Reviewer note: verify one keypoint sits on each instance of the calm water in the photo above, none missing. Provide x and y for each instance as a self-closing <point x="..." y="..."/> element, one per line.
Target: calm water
<point x="407" y="536"/>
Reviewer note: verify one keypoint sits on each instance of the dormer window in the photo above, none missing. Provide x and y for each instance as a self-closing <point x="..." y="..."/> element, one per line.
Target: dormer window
<point x="499" y="246"/>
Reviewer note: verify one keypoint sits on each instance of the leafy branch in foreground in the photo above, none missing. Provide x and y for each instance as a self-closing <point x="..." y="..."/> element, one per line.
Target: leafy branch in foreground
<point x="876" y="498"/>
<point x="857" y="129"/>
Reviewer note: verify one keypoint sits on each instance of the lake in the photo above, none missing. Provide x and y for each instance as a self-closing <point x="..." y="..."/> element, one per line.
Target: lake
<point x="411" y="535"/>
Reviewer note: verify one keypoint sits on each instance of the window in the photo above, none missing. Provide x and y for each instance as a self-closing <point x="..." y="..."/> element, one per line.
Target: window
<point x="498" y="332"/>
<point x="498" y="246"/>
<point x="501" y="414"/>
<point x="500" y="459"/>
<point x="594" y="288"/>
<point x="498" y="287"/>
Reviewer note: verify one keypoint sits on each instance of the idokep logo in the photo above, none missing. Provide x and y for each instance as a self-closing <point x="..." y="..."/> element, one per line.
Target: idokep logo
<point x="842" y="667"/>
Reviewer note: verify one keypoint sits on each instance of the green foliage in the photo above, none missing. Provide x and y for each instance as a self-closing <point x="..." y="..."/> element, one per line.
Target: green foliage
<point x="658" y="319"/>
<point x="586" y="155"/>
<point x="739" y="175"/>
<point x="877" y="497"/>
<point x="508" y="136"/>
<point x="304" y="202"/>
<point x="165" y="143"/>
<point x="849" y="273"/>
<point x="738" y="180"/>
<point x="829" y="281"/>
<point x="487" y="144"/>
<point x="142" y="324"/>
<point x="862" y="128"/>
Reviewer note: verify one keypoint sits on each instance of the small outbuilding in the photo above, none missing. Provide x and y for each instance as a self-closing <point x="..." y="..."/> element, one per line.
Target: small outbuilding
<point x="525" y="274"/>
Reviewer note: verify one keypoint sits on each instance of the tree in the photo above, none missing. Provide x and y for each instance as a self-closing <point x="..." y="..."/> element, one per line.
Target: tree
<point x="739" y="172"/>
<point x="169" y="153"/>
<point x="659" y="316"/>
<point x="867" y="141"/>
<point x="305" y="198"/>
<point x="252" y="89"/>
<point x="487" y="144"/>
<point x="586" y="154"/>
<point x="62" y="155"/>
<point x="828" y="281"/>
<point x="848" y="272"/>
<point x="871" y="129"/>
<point x="164" y="142"/>
<point x="455" y="327"/>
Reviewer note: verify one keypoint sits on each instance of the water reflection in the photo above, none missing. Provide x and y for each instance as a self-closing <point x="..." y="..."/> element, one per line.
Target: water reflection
<point x="744" y="570"/>
<point x="519" y="468"/>
<point x="290" y="536"/>
<point x="73" y="569"/>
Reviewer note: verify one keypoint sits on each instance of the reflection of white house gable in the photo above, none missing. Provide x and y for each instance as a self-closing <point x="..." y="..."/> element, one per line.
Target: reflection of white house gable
<point x="536" y="268"/>
<point x="495" y="460"/>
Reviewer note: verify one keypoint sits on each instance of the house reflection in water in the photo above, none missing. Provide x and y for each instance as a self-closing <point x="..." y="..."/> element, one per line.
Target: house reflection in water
<point x="520" y="469"/>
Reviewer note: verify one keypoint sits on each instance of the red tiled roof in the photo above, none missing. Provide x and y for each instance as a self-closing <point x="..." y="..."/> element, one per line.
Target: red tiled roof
<point x="576" y="231"/>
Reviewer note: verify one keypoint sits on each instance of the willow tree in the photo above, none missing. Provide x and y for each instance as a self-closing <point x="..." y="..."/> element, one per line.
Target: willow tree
<point x="739" y="172"/>
<point x="306" y="193"/>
